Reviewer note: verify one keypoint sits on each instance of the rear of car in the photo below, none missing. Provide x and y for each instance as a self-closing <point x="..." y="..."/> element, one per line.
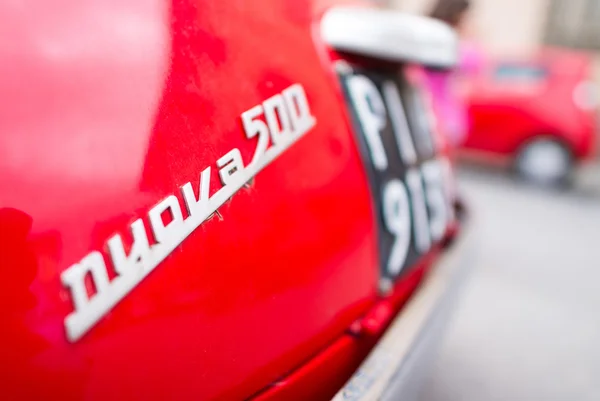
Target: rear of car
<point x="215" y="201"/>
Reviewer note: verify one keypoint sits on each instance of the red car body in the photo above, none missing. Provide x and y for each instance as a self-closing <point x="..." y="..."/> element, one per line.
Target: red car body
<point x="513" y="102"/>
<point x="108" y="109"/>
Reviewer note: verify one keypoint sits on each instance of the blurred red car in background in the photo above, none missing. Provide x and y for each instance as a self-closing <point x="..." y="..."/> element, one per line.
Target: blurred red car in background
<point x="537" y="115"/>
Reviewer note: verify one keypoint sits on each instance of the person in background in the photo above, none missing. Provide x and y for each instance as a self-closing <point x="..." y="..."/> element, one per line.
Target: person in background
<point x="447" y="87"/>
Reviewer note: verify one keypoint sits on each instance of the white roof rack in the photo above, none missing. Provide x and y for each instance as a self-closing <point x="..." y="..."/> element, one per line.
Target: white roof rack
<point x="390" y="35"/>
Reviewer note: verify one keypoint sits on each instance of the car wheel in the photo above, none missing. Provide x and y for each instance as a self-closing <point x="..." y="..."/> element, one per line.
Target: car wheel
<point x="545" y="162"/>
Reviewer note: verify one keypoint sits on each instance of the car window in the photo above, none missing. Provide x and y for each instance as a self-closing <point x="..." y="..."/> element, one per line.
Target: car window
<point x="519" y="72"/>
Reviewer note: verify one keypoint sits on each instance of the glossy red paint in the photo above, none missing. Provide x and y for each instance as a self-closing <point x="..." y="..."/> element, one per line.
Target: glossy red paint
<point x="107" y="108"/>
<point x="507" y="111"/>
<point x="321" y="377"/>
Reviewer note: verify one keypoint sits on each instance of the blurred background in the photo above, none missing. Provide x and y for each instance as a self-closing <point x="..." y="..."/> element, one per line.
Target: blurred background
<point x="528" y="326"/>
<point x="521" y="26"/>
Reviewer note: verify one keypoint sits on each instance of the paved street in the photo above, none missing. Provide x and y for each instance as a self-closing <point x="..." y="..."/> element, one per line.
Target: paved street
<point x="528" y="324"/>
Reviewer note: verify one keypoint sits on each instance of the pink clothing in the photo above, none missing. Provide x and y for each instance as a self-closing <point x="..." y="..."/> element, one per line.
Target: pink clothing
<point x="448" y="96"/>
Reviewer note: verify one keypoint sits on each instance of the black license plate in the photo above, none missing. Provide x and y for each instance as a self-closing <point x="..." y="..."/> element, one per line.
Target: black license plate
<point x="408" y="176"/>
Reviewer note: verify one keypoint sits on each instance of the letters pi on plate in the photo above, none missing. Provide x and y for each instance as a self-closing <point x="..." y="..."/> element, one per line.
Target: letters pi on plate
<point x="287" y="117"/>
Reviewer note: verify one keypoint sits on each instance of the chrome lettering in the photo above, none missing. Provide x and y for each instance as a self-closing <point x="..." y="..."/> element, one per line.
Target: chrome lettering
<point x="144" y="256"/>
<point x="139" y="253"/>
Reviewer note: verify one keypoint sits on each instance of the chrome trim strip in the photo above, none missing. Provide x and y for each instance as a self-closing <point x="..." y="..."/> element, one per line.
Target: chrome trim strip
<point x="387" y="362"/>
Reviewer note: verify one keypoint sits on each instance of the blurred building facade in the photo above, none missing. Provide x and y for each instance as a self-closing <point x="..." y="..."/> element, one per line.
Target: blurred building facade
<point x="502" y="26"/>
<point x="574" y="23"/>
<point x="513" y="27"/>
